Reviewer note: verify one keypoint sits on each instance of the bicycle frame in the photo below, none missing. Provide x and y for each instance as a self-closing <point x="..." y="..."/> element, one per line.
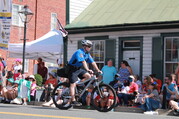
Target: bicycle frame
<point x="90" y="82"/>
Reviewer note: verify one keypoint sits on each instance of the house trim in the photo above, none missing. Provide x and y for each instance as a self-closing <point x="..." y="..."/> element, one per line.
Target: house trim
<point x="139" y="26"/>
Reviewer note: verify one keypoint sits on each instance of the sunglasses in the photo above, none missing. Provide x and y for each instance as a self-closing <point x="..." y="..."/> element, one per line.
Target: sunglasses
<point x="88" y="46"/>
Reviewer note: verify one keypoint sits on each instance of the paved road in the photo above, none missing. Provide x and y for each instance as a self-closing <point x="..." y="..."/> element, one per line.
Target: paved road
<point x="9" y="111"/>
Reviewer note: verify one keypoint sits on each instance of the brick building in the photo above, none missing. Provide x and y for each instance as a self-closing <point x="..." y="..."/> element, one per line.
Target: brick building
<point x="43" y="20"/>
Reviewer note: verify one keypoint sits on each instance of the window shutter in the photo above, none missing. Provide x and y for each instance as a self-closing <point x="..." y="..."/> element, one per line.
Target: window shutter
<point x="79" y="44"/>
<point x="157" y="57"/>
<point x="110" y="50"/>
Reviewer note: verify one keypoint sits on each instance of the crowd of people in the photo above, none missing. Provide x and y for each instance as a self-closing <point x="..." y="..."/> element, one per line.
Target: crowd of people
<point x="19" y="88"/>
<point x="147" y="93"/>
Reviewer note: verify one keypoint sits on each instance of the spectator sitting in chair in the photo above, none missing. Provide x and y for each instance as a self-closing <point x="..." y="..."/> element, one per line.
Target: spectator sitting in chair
<point x="49" y="86"/>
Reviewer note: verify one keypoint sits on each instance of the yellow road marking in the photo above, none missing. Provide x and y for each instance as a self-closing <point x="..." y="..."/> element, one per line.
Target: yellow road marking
<point x="38" y="115"/>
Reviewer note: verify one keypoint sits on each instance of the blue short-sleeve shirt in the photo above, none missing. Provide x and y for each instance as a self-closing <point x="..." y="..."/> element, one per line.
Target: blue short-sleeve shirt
<point x="171" y="88"/>
<point x="79" y="56"/>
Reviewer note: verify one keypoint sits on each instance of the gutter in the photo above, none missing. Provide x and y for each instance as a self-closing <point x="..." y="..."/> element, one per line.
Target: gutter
<point x="124" y="27"/>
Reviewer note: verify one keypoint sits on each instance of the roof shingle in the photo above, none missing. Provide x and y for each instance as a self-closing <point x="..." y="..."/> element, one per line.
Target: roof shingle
<point x="118" y="12"/>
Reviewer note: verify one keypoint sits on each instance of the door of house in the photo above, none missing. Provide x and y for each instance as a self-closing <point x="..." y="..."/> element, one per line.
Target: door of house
<point x="133" y="58"/>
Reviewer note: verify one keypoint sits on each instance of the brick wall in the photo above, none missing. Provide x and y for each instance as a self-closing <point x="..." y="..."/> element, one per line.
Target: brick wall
<point x="42" y="18"/>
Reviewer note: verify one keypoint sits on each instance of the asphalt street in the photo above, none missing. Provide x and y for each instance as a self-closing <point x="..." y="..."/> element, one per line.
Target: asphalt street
<point x="10" y="111"/>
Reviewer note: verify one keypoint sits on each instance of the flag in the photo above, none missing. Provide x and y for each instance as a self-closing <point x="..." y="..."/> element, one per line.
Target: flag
<point x="60" y="27"/>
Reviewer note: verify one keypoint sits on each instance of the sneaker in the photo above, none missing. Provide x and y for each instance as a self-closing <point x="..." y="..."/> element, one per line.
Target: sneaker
<point x="46" y="105"/>
<point x="25" y="103"/>
<point x="53" y="105"/>
<point x="175" y="113"/>
<point x="75" y="103"/>
<point x="151" y="113"/>
<point x="88" y="107"/>
<point x="66" y="105"/>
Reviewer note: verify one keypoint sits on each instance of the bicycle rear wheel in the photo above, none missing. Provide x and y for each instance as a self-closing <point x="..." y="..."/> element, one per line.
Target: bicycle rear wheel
<point x="61" y="96"/>
<point x="103" y="98"/>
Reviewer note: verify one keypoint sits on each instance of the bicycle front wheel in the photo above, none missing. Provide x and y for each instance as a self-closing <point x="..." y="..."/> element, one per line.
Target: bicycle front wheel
<point x="61" y="96"/>
<point x="103" y="98"/>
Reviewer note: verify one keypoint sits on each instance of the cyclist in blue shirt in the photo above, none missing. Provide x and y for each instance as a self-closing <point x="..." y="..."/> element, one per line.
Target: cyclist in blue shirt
<point x="80" y="59"/>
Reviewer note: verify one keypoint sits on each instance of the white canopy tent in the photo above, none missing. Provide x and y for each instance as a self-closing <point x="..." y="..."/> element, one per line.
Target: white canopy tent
<point x="49" y="47"/>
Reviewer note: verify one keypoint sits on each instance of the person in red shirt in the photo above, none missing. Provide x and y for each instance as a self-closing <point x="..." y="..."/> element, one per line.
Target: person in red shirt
<point x="158" y="81"/>
<point x="50" y="84"/>
<point x="132" y="92"/>
<point x="51" y="80"/>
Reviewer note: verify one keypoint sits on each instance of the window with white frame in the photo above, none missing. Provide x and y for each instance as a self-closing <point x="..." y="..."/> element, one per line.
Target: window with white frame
<point x="171" y="54"/>
<point x="16" y="20"/>
<point x="53" y="21"/>
<point x="98" y="52"/>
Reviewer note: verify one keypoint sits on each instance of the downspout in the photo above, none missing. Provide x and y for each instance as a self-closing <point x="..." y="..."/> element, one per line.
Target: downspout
<point x="35" y="29"/>
<point x="65" y="39"/>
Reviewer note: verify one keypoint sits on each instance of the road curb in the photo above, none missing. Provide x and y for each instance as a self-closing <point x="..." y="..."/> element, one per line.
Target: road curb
<point x="116" y="109"/>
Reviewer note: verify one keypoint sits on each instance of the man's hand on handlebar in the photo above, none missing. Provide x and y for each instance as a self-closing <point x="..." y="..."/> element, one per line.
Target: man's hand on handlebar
<point x="90" y="71"/>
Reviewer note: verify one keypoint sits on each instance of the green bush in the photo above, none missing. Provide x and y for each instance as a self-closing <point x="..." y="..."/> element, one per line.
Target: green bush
<point x="39" y="79"/>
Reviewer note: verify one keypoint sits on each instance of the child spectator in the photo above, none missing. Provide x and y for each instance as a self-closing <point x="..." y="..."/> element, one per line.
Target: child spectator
<point x="32" y="79"/>
<point x="17" y="68"/>
<point x="88" y="97"/>
<point x="174" y="80"/>
<point x="151" y="101"/>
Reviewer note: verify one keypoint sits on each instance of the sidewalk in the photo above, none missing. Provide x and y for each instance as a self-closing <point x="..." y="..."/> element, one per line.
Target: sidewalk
<point x="117" y="109"/>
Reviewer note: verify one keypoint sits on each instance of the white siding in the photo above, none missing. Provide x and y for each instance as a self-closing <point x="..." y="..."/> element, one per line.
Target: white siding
<point x="147" y="54"/>
<point x="72" y="47"/>
<point x="147" y="44"/>
<point x="76" y="7"/>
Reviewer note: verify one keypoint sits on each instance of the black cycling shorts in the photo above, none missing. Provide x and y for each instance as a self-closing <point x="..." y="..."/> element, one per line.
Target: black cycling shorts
<point x="73" y="74"/>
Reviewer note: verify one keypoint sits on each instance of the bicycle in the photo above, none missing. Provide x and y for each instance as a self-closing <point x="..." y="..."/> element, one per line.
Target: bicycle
<point x="103" y="96"/>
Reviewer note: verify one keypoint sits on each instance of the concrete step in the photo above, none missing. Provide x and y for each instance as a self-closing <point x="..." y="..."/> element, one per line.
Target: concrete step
<point x="36" y="103"/>
<point x="128" y="109"/>
<point x="165" y="112"/>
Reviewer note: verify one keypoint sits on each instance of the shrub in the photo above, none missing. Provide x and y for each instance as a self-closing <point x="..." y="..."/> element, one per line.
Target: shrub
<point x="39" y="79"/>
